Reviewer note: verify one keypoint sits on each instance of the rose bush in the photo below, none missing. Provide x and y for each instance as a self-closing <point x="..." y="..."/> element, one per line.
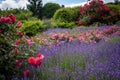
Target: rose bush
<point x="97" y="11"/>
<point x="15" y="49"/>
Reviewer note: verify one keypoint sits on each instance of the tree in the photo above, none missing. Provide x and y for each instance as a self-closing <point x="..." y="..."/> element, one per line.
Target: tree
<point x="49" y="9"/>
<point x="116" y="1"/>
<point x="35" y="7"/>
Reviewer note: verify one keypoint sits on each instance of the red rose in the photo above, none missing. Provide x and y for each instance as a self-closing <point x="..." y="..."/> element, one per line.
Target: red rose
<point x="13" y="18"/>
<point x="39" y="58"/>
<point x="38" y="61"/>
<point x="18" y="64"/>
<point x="7" y="20"/>
<point x="17" y="42"/>
<point x="0" y="31"/>
<point x="2" y="19"/>
<point x="105" y="8"/>
<point x="20" y="33"/>
<point x="19" y="24"/>
<point x="27" y="73"/>
<point x="106" y="31"/>
<point x="38" y="55"/>
<point x="31" y="61"/>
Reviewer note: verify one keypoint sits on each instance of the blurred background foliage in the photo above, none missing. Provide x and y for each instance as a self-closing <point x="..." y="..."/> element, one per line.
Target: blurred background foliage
<point x="53" y="15"/>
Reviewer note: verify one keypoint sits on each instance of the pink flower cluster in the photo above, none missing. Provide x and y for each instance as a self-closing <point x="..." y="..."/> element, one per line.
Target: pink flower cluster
<point x="111" y="30"/>
<point x="90" y="36"/>
<point x="11" y="19"/>
<point x="30" y="42"/>
<point x="61" y="37"/>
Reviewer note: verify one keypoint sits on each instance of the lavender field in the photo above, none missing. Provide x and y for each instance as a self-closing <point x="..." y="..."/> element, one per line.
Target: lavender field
<point x="79" y="60"/>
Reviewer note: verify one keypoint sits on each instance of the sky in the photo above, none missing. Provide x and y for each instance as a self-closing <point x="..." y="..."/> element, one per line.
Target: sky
<point x="22" y="3"/>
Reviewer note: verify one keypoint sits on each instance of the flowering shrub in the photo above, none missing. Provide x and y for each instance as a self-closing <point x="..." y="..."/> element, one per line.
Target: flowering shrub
<point x="96" y="11"/>
<point x="15" y="49"/>
<point x="88" y="36"/>
<point x="111" y="30"/>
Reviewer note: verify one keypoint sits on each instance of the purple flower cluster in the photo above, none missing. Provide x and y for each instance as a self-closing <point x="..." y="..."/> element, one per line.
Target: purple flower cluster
<point x="61" y="30"/>
<point x="57" y="30"/>
<point x="82" y="61"/>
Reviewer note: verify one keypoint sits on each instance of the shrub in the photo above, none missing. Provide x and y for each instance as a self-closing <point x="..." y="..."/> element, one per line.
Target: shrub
<point x="64" y="16"/>
<point x="31" y="28"/>
<point x="89" y="13"/>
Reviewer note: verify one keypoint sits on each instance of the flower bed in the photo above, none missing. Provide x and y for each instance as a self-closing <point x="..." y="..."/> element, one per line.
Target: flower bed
<point x="69" y="54"/>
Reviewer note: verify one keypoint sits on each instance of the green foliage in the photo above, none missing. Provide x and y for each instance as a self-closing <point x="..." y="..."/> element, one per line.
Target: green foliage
<point x="114" y="7"/>
<point x="49" y="9"/>
<point x="76" y="13"/>
<point x="65" y="17"/>
<point x="64" y="14"/>
<point x="35" y="7"/>
<point x="31" y="28"/>
<point x="21" y="14"/>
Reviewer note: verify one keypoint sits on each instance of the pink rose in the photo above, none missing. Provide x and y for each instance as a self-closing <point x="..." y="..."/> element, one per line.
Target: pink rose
<point x="17" y="42"/>
<point x="19" y="24"/>
<point x="30" y="42"/>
